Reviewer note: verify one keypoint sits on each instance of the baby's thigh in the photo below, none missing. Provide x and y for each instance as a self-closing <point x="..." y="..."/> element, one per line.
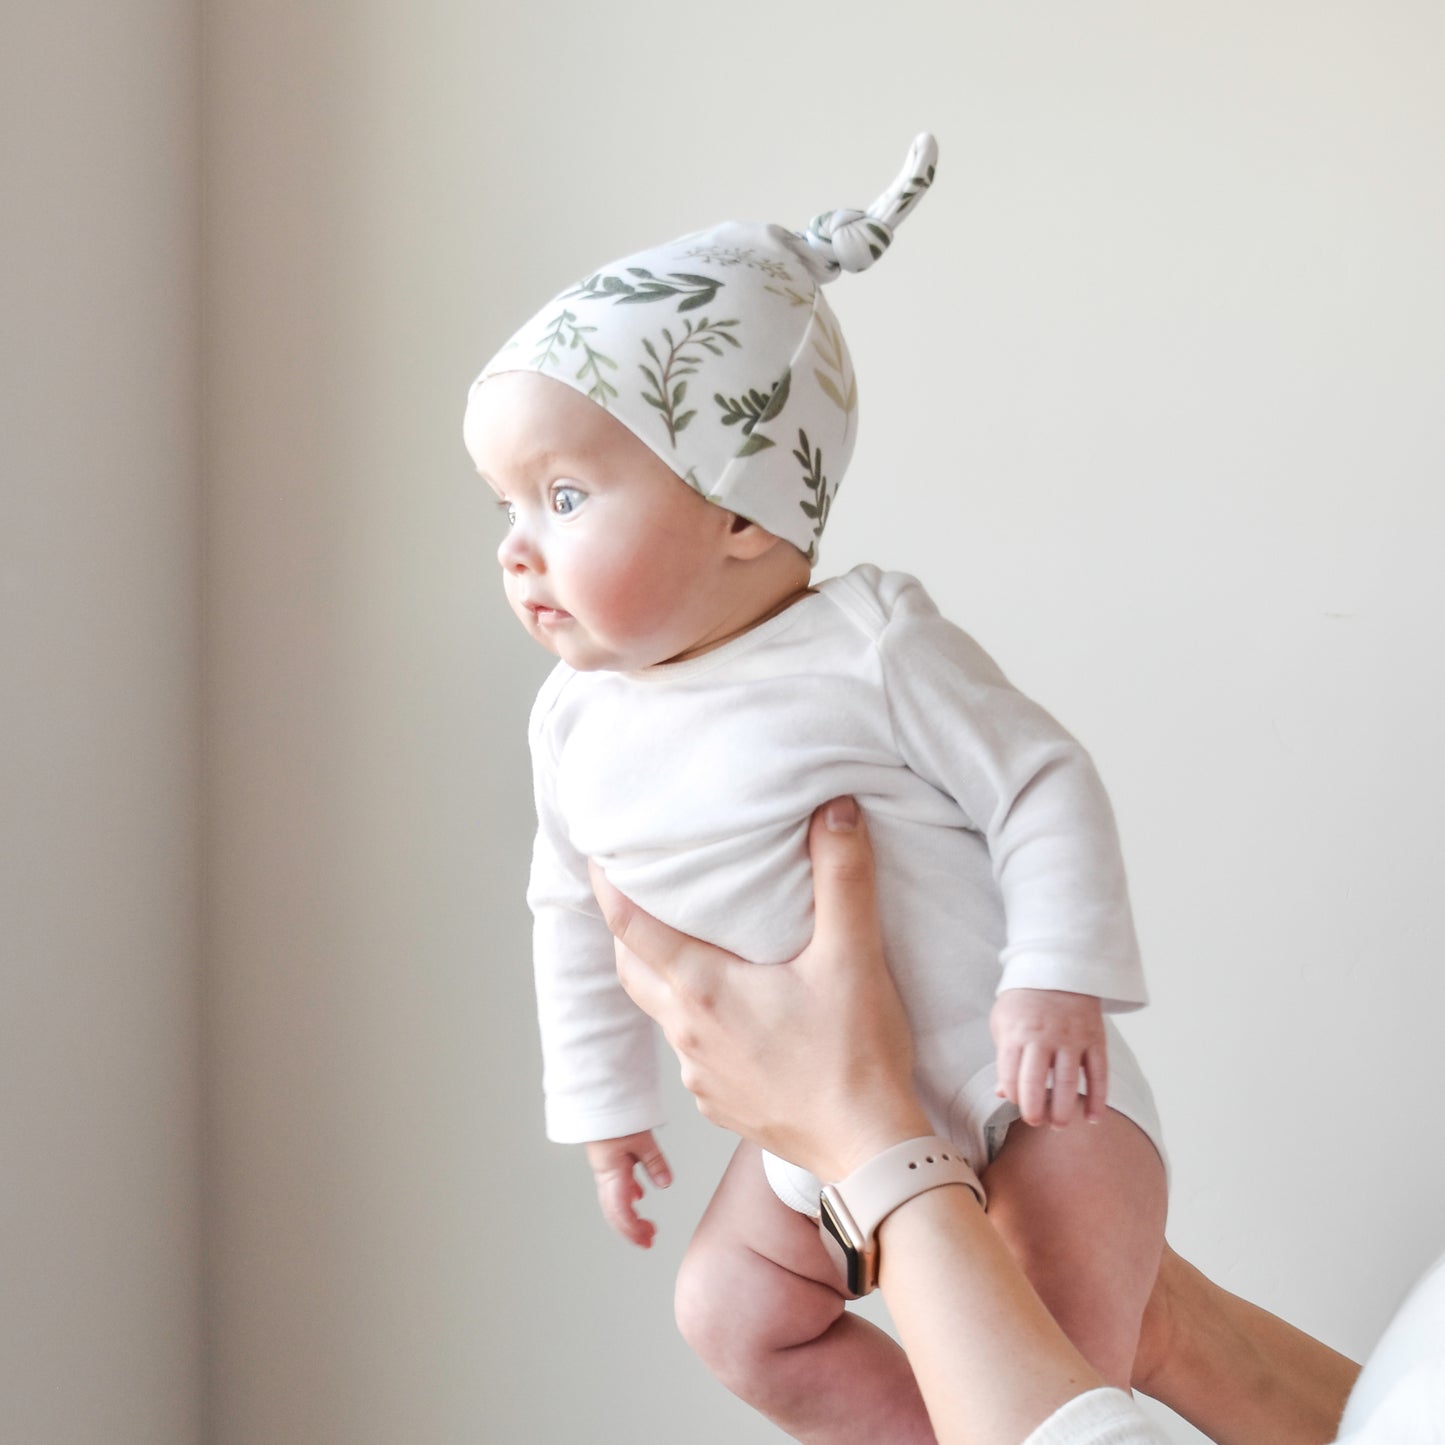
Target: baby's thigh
<point x="756" y="1267"/>
<point x="1082" y="1209"/>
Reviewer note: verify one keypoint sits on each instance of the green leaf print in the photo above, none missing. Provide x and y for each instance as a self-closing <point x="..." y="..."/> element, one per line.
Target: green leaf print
<point x="790" y="295"/>
<point x="915" y="188"/>
<point x="779" y="399"/>
<point x="837" y="382"/>
<point x="754" y="444"/>
<point x="755" y="406"/>
<point x="554" y="337"/>
<point x="811" y="460"/>
<point x="696" y="291"/>
<point x="743" y="256"/>
<point x="752" y="409"/>
<point x="667" y="378"/>
<point x="564" y="334"/>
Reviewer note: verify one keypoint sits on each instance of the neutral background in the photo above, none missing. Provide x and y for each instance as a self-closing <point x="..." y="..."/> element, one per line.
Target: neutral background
<point x="1151" y="392"/>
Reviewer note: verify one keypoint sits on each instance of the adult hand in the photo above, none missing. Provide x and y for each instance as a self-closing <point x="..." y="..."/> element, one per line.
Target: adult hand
<point x="811" y="1059"/>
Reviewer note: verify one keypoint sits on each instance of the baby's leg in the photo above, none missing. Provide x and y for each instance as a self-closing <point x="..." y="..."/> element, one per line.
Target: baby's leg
<point x="1082" y="1209"/>
<point x="760" y="1302"/>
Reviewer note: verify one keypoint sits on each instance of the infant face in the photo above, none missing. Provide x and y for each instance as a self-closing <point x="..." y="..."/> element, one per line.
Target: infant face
<point x="610" y="560"/>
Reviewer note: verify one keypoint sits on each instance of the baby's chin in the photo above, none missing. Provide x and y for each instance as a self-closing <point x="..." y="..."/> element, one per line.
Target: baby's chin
<point x="585" y="654"/>
<point x="579" y="659"/>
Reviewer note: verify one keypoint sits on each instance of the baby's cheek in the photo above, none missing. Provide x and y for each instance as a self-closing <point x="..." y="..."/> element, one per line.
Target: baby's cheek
<point x="622" y="601"/>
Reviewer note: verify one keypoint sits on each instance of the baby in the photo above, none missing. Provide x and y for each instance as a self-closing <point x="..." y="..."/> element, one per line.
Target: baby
<point x="666" y="439"/>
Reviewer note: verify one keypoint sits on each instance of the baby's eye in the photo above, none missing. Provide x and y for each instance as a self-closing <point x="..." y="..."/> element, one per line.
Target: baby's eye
<point x="567" y="499"/>
<point x="509" y="511"/>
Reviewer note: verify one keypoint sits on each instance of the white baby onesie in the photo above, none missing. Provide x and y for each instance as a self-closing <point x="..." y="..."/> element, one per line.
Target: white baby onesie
<point x="691" y="784"/>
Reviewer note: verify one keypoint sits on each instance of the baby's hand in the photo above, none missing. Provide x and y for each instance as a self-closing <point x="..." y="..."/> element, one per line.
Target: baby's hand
<point x="613" y="1162"/>
<point x="1037" y="1031"/>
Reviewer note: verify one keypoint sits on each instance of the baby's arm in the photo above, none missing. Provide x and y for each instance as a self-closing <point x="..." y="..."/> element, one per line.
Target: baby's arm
<point x="1032" y="792"/>
<point x="614" y="1168"/>
<point x="599" y="1065"/>
<point x="1038" y="1032"/>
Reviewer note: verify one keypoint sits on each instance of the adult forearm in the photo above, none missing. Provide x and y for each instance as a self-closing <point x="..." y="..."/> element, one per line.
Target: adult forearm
<point x="989" y="1359"/>
<point x="1237" y="1372"/>
<point x="992" y="1365"/>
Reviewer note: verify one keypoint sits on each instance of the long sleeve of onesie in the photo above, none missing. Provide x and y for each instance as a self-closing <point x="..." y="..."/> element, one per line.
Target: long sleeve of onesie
<point x="599" y="1058"/>
<point x="1028" y="787"/>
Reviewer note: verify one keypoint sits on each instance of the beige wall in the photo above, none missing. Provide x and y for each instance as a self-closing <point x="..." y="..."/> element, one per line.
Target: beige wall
<point x="1150" y="395"/>
<point x="1151" y="400"/>
<point x="99" y="766"/>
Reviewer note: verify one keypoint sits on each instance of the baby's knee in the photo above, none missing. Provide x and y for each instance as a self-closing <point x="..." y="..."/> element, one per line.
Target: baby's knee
<point x="714" y="1312"/>
<point x="738" y="1310"/>
<point x="698" y="1302"/>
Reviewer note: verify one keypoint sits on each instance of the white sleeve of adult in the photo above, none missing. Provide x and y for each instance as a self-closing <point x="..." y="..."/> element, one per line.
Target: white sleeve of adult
<point x="1030" y="788"/>
<point x="1399" y="1398"/>
<point x="1413" y="1413"/>
<point x="599" y="1053"/>
<point x="1100" y="1417"/>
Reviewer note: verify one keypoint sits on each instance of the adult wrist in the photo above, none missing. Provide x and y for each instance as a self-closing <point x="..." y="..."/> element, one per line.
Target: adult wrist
<point x="880" y="1126"/>
<point x="852" y="1210"/>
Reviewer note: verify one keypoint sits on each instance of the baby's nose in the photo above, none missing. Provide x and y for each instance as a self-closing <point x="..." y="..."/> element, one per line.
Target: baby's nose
<point x="518" y="553"/>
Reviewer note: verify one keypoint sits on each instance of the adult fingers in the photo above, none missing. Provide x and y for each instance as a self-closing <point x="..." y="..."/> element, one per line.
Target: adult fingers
<point x="647" y="988"/>
<point x="844" y="887"/>
<point x="653" y="942"/>
<point x="654" y="962"/>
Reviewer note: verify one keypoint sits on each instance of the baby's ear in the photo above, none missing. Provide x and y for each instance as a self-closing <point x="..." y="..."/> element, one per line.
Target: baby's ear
<point x="746" y="540"/>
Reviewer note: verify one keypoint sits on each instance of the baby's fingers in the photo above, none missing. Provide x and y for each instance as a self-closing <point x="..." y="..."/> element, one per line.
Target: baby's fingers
<point x="655" y="1163"/>
<point x="618" y="1192"/>
<point x="1065" y="1093"/>
<point x="1033" y="1084"/>
<point x="1008" y="1072"/>
<point x="1096" y="1071"/>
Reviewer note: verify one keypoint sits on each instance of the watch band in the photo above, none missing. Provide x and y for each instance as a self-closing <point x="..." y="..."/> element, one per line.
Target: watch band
<point x="853" y="1208"/>
<point x="875" y="1189"/>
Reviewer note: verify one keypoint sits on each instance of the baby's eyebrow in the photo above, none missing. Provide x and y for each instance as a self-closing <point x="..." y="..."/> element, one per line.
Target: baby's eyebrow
<point x="544" y="459"/>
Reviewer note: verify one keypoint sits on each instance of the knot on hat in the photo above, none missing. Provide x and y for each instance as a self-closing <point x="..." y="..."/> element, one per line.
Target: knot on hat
<point x="852" y="240"/>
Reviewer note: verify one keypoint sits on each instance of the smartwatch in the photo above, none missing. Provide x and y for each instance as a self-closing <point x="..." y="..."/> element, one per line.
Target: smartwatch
<point x="850" y="1211"/>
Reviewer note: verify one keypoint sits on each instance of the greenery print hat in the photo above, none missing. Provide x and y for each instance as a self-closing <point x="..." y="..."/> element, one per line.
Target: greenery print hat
<point x="719" y="352"/>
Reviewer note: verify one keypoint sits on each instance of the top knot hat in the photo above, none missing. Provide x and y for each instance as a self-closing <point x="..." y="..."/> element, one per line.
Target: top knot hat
<point x="719" y="352"/>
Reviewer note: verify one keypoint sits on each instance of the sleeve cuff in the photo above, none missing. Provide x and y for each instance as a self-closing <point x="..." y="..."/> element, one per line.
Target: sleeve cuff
<point x="570" y="1124"/>
<point x="1119" y="987"/>
<point x="1100" y="1417"/>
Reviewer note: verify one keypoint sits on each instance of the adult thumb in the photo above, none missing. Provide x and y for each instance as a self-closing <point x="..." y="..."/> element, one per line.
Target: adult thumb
<point x="845" y="902"/>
